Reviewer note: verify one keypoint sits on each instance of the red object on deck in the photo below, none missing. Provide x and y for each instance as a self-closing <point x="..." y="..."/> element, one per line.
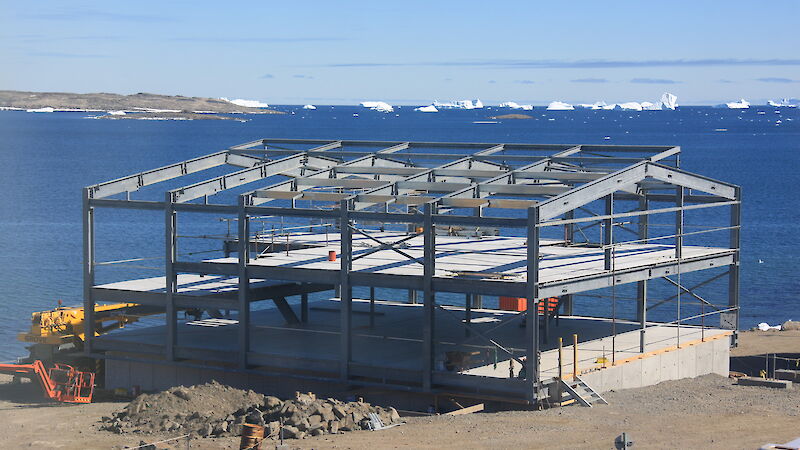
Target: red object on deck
<point x="521" y="304"/>
<point x="61" y="382"/>
<point x="332" y="255"/>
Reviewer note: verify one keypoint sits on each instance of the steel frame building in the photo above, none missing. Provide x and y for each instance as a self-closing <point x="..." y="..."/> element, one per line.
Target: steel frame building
<point x="425" y="186"/>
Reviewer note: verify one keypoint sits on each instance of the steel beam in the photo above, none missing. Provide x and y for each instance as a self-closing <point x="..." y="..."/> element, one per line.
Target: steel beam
<point x="135" y="182"/>
<point x="235" y="179"/>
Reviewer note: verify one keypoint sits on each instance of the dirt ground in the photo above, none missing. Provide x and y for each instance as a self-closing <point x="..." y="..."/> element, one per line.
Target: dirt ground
<point x="708" y="412"/>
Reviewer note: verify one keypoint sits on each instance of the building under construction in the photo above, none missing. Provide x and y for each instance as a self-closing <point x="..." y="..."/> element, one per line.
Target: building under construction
<point x="474" y="270"/>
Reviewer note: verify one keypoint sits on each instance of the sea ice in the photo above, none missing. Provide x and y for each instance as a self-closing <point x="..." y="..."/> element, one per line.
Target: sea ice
<point x="459" y="104"/>
<point x="559" y="106"/>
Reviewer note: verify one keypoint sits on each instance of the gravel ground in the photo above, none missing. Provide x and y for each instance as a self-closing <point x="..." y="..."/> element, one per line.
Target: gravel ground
<point x="706" y="412"/>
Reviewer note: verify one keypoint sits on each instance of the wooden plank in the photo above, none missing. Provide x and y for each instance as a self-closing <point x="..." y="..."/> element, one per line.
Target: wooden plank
<point x="467" y="410"/>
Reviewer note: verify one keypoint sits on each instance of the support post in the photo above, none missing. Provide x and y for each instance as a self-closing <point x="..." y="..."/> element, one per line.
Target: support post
<point x="641" y="293"/>
<point x="171" y="288"/>
<point x="429" y="323"/>
<point x="575" y="356"/>
<point x="532" y="314"/>
<point x="345" y="292"/>
<point x="304" y="308"/>
<point x="569" y="228"/>
<point x="88" y="272"/>
<point x="608" y="232"/>
<point x="733" y="270"/>
<point x="244" y="282"/>
<point x="372" y="306"/>
<point x="467" y="313"/>
<point x="569" y="309"/>
<point x="679" y="197"/>
<point x="641" y="286"/>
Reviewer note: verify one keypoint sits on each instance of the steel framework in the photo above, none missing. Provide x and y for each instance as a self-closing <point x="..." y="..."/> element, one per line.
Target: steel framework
<point x="424" y="186"/>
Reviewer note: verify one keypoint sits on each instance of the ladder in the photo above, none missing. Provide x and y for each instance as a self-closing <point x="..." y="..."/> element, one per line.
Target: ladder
<point x="581" y="392"/>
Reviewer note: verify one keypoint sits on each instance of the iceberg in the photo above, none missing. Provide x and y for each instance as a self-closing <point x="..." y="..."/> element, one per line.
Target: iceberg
<point x="309" y="107"/>
<point x="46" y="109"/>
<point x="459" y="104"/>
<point x="559" y="106"/>
<point x="648" y="106"/>
<point x="427" y="109"/>
<point x="669" y="100"/>
<point x="788" y="103"/>
<point x="116" y="113"/>
<point x="743" y="104"/>
<point x="378" y="106"/>
<point x="610" y="107"/>
<point x="595" y="105"/>
<point x="246" y="103"/>
<point x="631" y="106"/>
<point x="515" y="105"/>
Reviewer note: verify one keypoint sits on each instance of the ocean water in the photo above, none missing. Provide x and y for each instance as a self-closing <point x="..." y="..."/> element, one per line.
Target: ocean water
<point x="45" y="160"/>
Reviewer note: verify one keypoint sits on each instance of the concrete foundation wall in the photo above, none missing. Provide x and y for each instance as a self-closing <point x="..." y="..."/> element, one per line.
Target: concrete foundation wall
<point x="691" y="361"/>
<point x="152" y="377"/>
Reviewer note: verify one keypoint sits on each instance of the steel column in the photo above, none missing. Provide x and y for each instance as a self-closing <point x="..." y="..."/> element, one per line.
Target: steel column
<point x="608" y="232"/>
<point x="345" y="292"/>
<point x="171" y="277"/>
<point x="88" y="272"/>
<point x="244" y="282"/>
<point x="733" y="271"/>
<point x="429" y="322"/>
<point x="531" y="314"/>
<point x="641" y="286"/>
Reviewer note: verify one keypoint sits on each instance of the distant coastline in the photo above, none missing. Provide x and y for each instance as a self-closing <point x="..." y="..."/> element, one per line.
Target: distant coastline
<point x="143" y="104"/>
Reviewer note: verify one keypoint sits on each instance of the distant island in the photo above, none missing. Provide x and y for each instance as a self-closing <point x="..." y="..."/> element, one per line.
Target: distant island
<point x="175" y="107"/>
<point x="511" y="116"/>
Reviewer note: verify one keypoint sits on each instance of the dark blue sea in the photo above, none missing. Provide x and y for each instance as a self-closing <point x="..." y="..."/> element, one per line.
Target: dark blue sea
<point x="45" y="160"/>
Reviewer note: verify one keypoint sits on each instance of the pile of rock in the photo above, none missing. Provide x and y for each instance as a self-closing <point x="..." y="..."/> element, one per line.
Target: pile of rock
<point x="213" y="410"/>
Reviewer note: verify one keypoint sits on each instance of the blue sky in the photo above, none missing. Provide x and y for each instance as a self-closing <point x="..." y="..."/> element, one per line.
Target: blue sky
<point x="409" y="52"/>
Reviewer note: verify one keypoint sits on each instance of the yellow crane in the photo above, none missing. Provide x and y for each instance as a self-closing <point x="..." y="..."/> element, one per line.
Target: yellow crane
<point x="62" y="328"/>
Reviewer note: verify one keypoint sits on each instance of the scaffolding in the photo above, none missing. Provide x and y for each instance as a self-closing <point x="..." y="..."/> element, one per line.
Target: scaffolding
<point x="470" y="219"/>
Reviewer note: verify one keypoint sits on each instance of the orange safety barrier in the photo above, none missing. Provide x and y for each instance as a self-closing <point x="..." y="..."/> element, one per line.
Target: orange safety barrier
<point x="61" y="382"/>
<point x="521" y="304"/>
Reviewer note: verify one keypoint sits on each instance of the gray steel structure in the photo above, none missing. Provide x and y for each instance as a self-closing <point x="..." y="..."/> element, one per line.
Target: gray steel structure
<point x="547" y="186"/>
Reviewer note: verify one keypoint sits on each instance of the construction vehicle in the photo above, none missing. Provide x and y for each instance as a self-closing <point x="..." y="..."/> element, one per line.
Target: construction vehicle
<point x="61" y="329"/>
<point x="61" y="382"/>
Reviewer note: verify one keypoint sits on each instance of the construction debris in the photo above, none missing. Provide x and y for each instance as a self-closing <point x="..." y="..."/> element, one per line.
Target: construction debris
<point x="214" y="410"/>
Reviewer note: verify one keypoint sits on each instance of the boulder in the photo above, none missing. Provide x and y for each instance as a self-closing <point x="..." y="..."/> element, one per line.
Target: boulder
<point x="290" y="432"/>
<point x="272" y="402"/>
<point x="790" y="325"/>
<point x="394" y="416"/>
<point x="333" y="427"/>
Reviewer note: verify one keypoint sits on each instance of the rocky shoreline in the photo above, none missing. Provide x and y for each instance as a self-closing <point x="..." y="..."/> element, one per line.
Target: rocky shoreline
<point x="140" y="103"/>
